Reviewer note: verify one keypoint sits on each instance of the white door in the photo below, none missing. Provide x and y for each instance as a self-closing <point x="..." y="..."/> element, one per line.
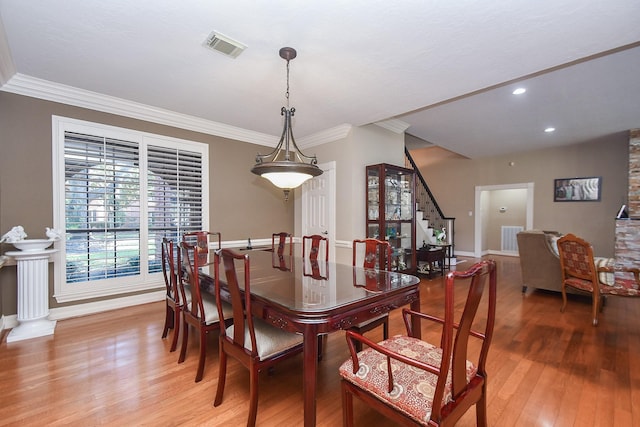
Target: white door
<point x="318" y="206"/>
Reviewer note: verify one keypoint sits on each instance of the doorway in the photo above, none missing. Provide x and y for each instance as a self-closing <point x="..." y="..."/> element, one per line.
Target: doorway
<point x="482" y="193"/>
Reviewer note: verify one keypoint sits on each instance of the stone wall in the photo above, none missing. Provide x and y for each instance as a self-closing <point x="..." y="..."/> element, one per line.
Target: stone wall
<point x="634" y="173"/>
<point x="627" y="249"/>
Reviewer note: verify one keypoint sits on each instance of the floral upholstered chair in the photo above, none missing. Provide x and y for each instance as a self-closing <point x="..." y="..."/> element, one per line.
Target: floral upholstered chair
<point x="414" y="382"/>
<point x="582" y="271"/>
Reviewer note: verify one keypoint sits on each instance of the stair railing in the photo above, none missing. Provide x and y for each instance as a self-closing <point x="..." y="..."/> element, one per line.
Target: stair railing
<point x="426" y="202"/>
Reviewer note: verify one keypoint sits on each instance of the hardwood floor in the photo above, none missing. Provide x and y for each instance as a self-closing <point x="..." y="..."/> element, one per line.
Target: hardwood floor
<point x="546" y="369"/>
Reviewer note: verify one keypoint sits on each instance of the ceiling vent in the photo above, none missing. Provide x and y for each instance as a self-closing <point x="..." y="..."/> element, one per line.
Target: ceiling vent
<point x="224" y="45"/>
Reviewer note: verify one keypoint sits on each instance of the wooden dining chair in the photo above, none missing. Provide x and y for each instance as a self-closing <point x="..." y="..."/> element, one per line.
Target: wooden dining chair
<point x="579" y="271"/>
<point x="202" y="312"/>
<point x="281" y="239"/>
<point x="175" y="302"/>
<point x="317" y="245"/>
<point x="372" y="254"/>
<point x="255" y="343"/>
<point x="201" y="239"/>
<point x="416" y="383"/>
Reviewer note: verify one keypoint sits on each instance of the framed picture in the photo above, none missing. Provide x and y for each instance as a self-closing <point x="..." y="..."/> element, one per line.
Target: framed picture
<point x="577" y="189"/>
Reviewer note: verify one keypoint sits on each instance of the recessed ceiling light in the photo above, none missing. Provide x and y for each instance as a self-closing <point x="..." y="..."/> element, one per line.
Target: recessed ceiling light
<point x="519" y="91"/>
<point x="549" y="129"/>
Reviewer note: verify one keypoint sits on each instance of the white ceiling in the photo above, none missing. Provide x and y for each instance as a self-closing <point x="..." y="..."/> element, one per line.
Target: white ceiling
<point x="445" y="68"/>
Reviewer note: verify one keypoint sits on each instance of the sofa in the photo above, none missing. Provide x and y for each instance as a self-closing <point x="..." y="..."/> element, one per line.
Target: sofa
<point x="539" y="260"/>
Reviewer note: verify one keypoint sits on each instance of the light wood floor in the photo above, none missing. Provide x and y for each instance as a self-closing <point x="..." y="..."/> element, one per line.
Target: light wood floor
<point x="546" y="369"/>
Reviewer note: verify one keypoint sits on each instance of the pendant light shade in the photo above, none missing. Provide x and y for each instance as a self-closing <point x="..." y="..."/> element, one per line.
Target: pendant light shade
<point x="286" y="166"/>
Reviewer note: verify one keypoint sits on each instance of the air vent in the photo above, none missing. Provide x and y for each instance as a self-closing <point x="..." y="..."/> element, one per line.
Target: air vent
<point x="224" y="45"/>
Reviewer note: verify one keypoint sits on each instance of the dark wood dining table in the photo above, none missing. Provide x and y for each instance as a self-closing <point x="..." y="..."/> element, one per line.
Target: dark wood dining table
<point x="314" y="299"/>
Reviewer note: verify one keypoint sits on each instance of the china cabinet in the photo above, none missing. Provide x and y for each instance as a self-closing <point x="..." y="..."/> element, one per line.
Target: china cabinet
<point x="391" y="212"/>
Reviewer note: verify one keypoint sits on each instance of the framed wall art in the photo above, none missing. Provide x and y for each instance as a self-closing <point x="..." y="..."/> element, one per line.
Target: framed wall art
<point x="577" y="189"/>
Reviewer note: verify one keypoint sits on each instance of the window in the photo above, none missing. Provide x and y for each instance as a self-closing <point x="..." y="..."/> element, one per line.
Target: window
<point x="117" y="193"/>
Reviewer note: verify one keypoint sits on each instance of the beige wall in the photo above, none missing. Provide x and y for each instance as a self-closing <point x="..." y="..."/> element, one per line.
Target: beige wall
<point x="242" y="205"/>
<point x="365" y="145"/>
<point x="453" y="179"/>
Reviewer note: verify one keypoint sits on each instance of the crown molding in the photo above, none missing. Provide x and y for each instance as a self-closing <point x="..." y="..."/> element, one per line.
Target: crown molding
<point x="325" y="136"/>
<point x="37" y="88"/>
<point x="394" y="125"/>
<point x="21" y="84"/>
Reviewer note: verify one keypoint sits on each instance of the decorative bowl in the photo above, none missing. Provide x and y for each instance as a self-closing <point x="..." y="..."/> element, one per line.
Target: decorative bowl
<point x="32" y="245"/>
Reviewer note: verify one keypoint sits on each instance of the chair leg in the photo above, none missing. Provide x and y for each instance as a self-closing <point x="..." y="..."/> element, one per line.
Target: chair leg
<point x="222" y="376"/>
<point x="321" y="339"/>
<point x="185" y="338"/>
<point x="253" y="396"/>
<point x="168" y="320"/>
<point x="176" y="329"/>
<point x="481" y="409"/>
<point x="564" y="299"/>
<point x="595" y="308"/>
<point x="347" y="407"/>
<point x="385" y="329"/>
<point x="203" y="354"/>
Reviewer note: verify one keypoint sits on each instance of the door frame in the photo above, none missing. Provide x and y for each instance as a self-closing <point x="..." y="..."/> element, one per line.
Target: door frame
<point x="478" y="234"/>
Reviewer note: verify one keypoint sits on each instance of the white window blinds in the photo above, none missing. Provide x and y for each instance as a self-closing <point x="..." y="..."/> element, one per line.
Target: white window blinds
<point x="117" y="193"/>
<point x="174" y="182"/>
<point x="102" y="207"/>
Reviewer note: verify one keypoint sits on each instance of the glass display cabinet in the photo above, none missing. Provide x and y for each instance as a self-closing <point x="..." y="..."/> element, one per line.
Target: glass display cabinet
<point x="391" y="212"/>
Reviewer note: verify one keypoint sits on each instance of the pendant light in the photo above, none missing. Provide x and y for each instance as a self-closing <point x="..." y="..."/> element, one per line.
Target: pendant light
<point x="286" y="166"/>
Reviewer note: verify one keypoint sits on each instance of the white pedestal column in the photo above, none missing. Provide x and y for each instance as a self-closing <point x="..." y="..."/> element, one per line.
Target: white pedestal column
<point x="33" y="295"/>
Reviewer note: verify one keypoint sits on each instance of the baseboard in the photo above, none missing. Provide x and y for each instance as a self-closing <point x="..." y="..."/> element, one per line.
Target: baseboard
<point x="501" y="253"/>
<point x="77" y="310"/>
<point x="8" y="322"/>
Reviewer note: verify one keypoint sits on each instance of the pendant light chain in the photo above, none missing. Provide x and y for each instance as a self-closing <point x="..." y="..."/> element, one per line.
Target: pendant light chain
<point x="287" y="92"/>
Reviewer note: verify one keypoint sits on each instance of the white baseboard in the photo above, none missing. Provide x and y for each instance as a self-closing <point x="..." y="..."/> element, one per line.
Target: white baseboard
<point x="101" y="306"/>
<point x="8" y="322"/>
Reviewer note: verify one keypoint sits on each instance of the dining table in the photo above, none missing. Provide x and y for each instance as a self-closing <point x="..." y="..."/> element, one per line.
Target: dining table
<point x="313" y="298"/>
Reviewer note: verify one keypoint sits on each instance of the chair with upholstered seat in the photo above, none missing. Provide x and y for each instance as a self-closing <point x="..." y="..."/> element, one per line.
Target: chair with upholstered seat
<point x="372" y="254"/>
<point x="281" y="239"/>
<point x="175" y="302"/>
<point x="414" y="382"/>
<point x="202" y="312"/>
<point x="255" y="343"/>
<point x="579" y="271"/>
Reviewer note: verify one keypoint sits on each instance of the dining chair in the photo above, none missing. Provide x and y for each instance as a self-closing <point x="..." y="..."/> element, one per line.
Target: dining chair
<point x="201" y="239"/>
<point x="372" y="254"/>
<point x="316" y="247"/>
<point x="201" y="312"/>
<point x="414" y="382"/>
<point x="282" y="240"/>
<point x="175" y="302"/>
<point x="255" y="343"/>
<point x="579" y="271"/>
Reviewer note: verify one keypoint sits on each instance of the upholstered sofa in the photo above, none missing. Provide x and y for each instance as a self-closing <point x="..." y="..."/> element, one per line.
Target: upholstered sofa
<point x="539" y="260"/>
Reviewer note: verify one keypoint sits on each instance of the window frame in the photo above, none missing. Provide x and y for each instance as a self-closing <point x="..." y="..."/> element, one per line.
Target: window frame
<point x="66" y="292"/>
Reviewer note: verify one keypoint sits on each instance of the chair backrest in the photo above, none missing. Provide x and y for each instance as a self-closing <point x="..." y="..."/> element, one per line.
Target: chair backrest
<point x="240" y="299"/>
<point x="191" y="260"/>
<point x="169" y="264"/>
<point x="577" y="262"/>
<point x="374" y="253"/>
<point x="455" y="350"/>
<point x="282" y="241"/>
<point x="201" y="239"/>
<point x="315" y="247"/>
